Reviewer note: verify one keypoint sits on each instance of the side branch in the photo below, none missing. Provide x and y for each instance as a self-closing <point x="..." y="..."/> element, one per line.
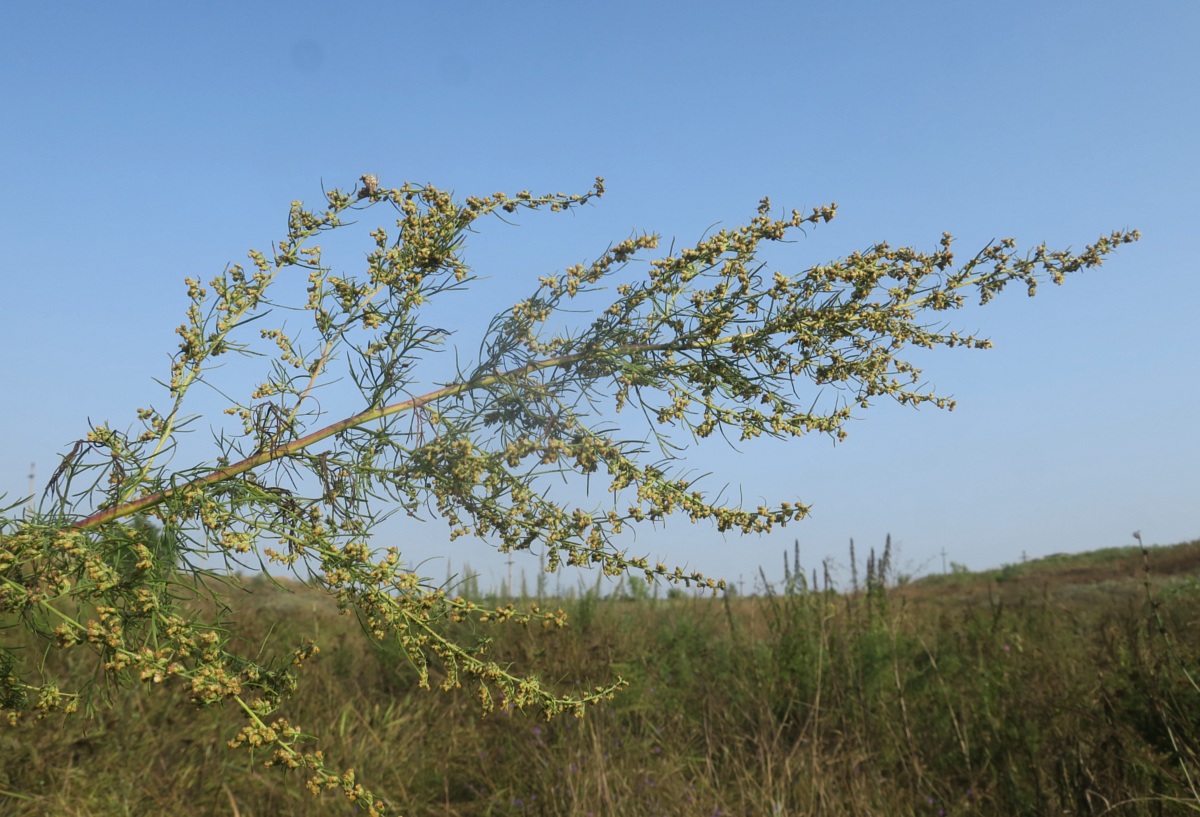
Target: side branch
<point x="136" y="506"/>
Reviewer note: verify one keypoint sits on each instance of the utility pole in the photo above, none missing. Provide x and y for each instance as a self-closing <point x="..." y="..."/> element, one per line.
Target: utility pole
<point x="32" y="483"/>
<point x="943" y="561"/>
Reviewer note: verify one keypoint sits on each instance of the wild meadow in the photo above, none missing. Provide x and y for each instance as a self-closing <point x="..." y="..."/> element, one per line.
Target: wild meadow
<point x="1066" y="685"/>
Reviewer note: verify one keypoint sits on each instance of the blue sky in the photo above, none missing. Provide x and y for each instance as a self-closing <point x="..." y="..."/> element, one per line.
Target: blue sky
<point x="146" y="142"/>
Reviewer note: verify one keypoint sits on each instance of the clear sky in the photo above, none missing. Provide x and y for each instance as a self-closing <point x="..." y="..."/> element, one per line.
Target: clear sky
<point x="146" y="142"/>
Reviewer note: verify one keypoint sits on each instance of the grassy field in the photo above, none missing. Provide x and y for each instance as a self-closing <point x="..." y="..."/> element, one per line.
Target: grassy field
<point x="1058" y="686"/>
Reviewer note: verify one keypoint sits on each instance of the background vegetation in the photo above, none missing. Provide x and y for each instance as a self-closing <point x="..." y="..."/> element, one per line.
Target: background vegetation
<point x="1060" y="686"/>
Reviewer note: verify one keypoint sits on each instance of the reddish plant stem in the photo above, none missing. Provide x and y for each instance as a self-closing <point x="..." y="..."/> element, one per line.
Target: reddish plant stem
<point x="263" y="457"/>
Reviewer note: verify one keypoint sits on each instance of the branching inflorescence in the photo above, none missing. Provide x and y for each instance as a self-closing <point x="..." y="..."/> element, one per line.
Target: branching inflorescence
<point x="707" y="342"/>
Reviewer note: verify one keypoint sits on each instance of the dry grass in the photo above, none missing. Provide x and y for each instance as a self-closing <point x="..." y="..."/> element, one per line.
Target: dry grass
<point x="1045" y="689"/>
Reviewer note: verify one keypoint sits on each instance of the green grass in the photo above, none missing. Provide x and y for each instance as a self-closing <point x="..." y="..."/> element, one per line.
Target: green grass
<point x="1046" y="688"/>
